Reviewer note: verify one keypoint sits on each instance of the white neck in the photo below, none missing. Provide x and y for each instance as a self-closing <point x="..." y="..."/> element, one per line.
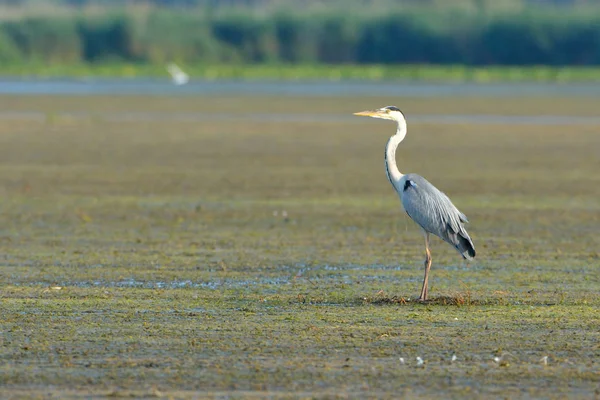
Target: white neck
<point x="393" y="173"/>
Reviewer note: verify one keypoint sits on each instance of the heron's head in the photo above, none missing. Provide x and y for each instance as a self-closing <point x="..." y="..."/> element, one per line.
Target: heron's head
<point x="389" y="112"/>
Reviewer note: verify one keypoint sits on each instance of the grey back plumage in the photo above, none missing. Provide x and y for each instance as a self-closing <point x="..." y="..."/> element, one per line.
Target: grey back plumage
<point x="435" y="213"/>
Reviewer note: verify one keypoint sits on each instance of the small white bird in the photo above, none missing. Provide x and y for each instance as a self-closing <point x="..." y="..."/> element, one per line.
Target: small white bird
<point x="401" y="360"/>
<point x="454" y="358"/>
<point x="177" y="75"/>
<point x="544" y="360"/>
<point x="419" y="362"/>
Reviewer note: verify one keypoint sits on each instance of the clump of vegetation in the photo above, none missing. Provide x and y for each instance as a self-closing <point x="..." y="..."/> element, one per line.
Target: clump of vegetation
<point x="389" y="35"/>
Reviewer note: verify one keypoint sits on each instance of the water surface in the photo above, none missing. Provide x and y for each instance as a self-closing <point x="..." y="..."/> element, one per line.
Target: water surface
<point x="139" y="86"/>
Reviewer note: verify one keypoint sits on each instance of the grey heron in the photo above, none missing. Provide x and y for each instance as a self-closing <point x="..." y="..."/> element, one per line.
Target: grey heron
<point x="431" y="209"/>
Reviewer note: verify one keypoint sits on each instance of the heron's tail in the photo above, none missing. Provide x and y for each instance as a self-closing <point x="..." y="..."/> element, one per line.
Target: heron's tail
<point x="465" y="245"/>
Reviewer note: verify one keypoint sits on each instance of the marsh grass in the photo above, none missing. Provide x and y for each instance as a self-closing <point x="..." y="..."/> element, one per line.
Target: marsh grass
<point x="333" y="72"/>
<point x="152" y="258"/>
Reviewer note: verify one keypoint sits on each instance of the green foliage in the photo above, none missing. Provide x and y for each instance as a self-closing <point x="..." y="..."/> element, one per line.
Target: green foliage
<point x="50" y="40"/>
<point x="106" y="38"/>
<point x="411" y="36"/>
<point x="170" y="36"/>
<point x="247" y="39"/>
<point x="9" y="52"/>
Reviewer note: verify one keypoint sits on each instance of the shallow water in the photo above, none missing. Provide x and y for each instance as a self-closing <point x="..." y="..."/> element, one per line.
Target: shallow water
<point x="325" y="274"/>
<point x="287" y="88"/>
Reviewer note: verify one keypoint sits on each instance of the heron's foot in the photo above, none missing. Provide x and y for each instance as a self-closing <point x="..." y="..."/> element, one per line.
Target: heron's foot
<point x="424" y="294"/>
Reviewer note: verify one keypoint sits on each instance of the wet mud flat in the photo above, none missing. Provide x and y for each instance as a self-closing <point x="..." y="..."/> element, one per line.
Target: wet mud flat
<point x="270" y="257"/>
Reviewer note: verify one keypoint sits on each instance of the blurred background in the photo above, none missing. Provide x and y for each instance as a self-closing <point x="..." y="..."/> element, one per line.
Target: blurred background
<point x="303" y="38"/>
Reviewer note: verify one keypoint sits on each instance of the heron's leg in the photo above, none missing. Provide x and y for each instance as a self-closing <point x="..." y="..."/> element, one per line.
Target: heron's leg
<point x="427" y="264"/>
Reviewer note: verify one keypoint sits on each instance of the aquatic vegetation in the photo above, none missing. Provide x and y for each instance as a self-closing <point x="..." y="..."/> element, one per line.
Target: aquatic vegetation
<point x="152" y="258"/>
<point x="291" y="72"/>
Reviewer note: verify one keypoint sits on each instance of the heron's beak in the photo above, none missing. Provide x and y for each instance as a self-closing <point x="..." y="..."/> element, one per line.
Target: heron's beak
<point x="367" y="113"/>
<point x="375" y="114"/>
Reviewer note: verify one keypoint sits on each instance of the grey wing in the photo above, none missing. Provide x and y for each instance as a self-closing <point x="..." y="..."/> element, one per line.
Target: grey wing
<point x="435" y="213"/>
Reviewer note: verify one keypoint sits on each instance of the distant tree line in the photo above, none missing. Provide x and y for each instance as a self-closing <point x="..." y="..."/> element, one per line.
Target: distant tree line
<point x="235" y="37"/>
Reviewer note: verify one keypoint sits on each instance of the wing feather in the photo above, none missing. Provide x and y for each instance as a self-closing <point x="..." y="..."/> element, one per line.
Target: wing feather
<point x="435" y="213"/>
